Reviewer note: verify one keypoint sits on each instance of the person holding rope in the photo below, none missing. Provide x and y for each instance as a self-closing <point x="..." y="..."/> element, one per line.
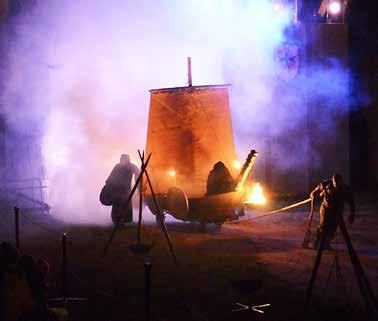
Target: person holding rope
<point x="334" y="194"/>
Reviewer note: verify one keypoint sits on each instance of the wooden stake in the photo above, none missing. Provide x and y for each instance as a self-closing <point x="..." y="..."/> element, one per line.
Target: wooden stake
<point x="64" y="266"/>
<point x="17" y="226"/>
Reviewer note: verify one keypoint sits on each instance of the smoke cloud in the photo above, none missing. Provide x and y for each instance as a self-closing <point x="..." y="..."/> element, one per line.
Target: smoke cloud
<point x="80" y="71"/>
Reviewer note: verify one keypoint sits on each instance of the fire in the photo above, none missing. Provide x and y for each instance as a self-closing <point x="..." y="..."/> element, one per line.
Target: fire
<point x="172" y="173"/>
<point x="255" y="195"/>
<point x="236" y="164"/>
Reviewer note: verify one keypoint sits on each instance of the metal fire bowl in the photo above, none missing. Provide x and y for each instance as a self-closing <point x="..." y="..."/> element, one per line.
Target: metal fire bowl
<point x="140" y="249"/>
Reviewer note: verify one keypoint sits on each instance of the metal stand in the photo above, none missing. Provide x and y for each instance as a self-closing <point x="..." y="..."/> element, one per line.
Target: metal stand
<point x="367" y="293"/>
<point x="65" y="298"/>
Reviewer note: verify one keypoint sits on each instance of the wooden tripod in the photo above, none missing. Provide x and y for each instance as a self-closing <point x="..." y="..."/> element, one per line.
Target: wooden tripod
<point x="367" y="293"/>
<point x="307" y="237"/>
<point x="143" y="171"/>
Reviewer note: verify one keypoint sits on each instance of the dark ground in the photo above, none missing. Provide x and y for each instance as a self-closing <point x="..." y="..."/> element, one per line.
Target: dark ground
<point x="253" y="263"/>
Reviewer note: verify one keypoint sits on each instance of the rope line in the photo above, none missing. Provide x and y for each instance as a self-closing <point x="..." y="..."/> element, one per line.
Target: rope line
<point x="55" y="232"/>
<point x="271" y="212"/>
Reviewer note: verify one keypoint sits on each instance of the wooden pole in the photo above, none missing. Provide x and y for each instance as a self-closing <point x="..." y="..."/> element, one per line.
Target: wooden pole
<point x="64" y="267"/>
<point x="306" y="240"/>
<point x="315" y="268"/>
<point x="162" y="223"/>
<point x="17" y="226"/>
<point x="363" y="282"/>
<point x="189" y="71"/>
<point x="140" y="205"/>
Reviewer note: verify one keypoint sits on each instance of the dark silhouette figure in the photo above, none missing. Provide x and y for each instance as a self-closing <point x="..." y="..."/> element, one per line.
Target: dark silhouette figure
<point x="220" y="180"/>
<point x="117" y="189"/>
<point x="334" y="194"/>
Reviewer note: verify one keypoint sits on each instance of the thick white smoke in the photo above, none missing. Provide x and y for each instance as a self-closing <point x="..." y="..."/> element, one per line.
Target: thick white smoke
<point x="90" y="64"/>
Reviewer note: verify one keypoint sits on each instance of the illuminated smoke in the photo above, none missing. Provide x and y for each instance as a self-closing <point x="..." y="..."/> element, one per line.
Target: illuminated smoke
<point x="89" y="66"/>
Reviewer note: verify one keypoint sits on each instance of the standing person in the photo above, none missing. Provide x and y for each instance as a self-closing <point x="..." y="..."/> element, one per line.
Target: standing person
<point x="334" y="194"/>
<point x="119" y="186"/>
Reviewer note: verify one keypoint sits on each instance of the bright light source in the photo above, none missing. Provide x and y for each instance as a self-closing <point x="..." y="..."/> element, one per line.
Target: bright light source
<point x="172" y="173"/>
<point x="255" y="195"/>
<point x="334" y="7"/>
<point x="277" y="6"/>
<point x="236" y="164"/>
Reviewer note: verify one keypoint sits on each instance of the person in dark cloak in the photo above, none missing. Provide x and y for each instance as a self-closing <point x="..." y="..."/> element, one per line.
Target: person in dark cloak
<point x="220" y="180"/>
<point x="334" y="194"/>
<point x="118" y="186"/>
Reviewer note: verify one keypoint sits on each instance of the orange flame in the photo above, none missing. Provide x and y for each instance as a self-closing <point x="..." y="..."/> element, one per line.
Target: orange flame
<point x="255" y="195"/>
<point x="236" y="164"/>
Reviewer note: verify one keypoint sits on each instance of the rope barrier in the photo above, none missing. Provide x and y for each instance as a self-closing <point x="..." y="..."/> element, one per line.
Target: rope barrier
<point x="98" y="290"/>
<point x="55" y="232"/>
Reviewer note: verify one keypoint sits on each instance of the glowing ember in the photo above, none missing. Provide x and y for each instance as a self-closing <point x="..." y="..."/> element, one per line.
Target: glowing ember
<point x="256" y="195"/>
<point x="172" y="173"/>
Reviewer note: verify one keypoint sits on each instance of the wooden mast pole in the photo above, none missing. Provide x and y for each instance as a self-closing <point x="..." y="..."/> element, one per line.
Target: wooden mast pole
<point x="189" y="71"/>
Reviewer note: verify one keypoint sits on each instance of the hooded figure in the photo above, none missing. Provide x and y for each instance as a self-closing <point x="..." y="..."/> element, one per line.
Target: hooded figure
<point x="117" y="189"/>
<point x="220" y="180"/>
